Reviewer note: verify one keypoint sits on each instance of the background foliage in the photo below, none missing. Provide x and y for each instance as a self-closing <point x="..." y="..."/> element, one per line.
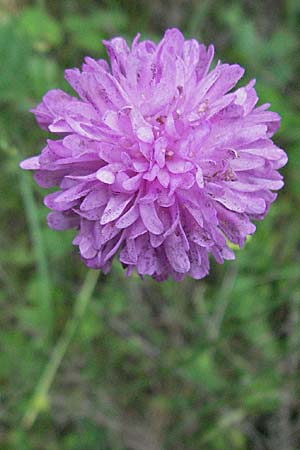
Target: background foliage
<point x="121" y="364"/>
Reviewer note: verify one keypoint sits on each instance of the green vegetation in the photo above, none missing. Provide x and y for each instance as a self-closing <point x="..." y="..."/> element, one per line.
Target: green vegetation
<point x="111" y="363"/>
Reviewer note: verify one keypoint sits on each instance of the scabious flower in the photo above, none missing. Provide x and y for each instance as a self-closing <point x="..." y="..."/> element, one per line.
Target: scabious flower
<point x="158" y="160"/>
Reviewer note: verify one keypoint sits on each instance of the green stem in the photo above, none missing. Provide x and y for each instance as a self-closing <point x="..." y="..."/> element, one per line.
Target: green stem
<point x="40" y="396"/>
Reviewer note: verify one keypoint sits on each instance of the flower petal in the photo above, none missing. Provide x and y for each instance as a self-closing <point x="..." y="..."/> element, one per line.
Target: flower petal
<point x="150" y="218"/>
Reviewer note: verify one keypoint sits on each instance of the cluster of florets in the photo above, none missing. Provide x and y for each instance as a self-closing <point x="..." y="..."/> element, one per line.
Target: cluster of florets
<point x="159" y="160"/>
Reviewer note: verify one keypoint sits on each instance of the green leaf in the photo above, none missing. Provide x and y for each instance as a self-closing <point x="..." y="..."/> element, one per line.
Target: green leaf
<point x="88" y="31"/>
<point x="202" y="370"/>
<point x="44" y="30"/>
<point x="15" y="53"/>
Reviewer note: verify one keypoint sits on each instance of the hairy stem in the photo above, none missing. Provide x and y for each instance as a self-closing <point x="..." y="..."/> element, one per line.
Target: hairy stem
<point x="40" y="396"/>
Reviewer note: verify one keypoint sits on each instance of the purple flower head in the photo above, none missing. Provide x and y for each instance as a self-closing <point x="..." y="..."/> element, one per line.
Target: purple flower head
<point x="158" y="160"/>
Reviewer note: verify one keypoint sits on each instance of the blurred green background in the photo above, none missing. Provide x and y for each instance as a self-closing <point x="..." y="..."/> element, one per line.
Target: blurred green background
<point x="121" y="364"/>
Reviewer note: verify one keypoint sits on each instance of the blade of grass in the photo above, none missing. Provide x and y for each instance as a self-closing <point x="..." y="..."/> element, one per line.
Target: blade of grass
<point x="200" y="13"/>
<point x="40" y="396"/>
<point x="36" y="233"/>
